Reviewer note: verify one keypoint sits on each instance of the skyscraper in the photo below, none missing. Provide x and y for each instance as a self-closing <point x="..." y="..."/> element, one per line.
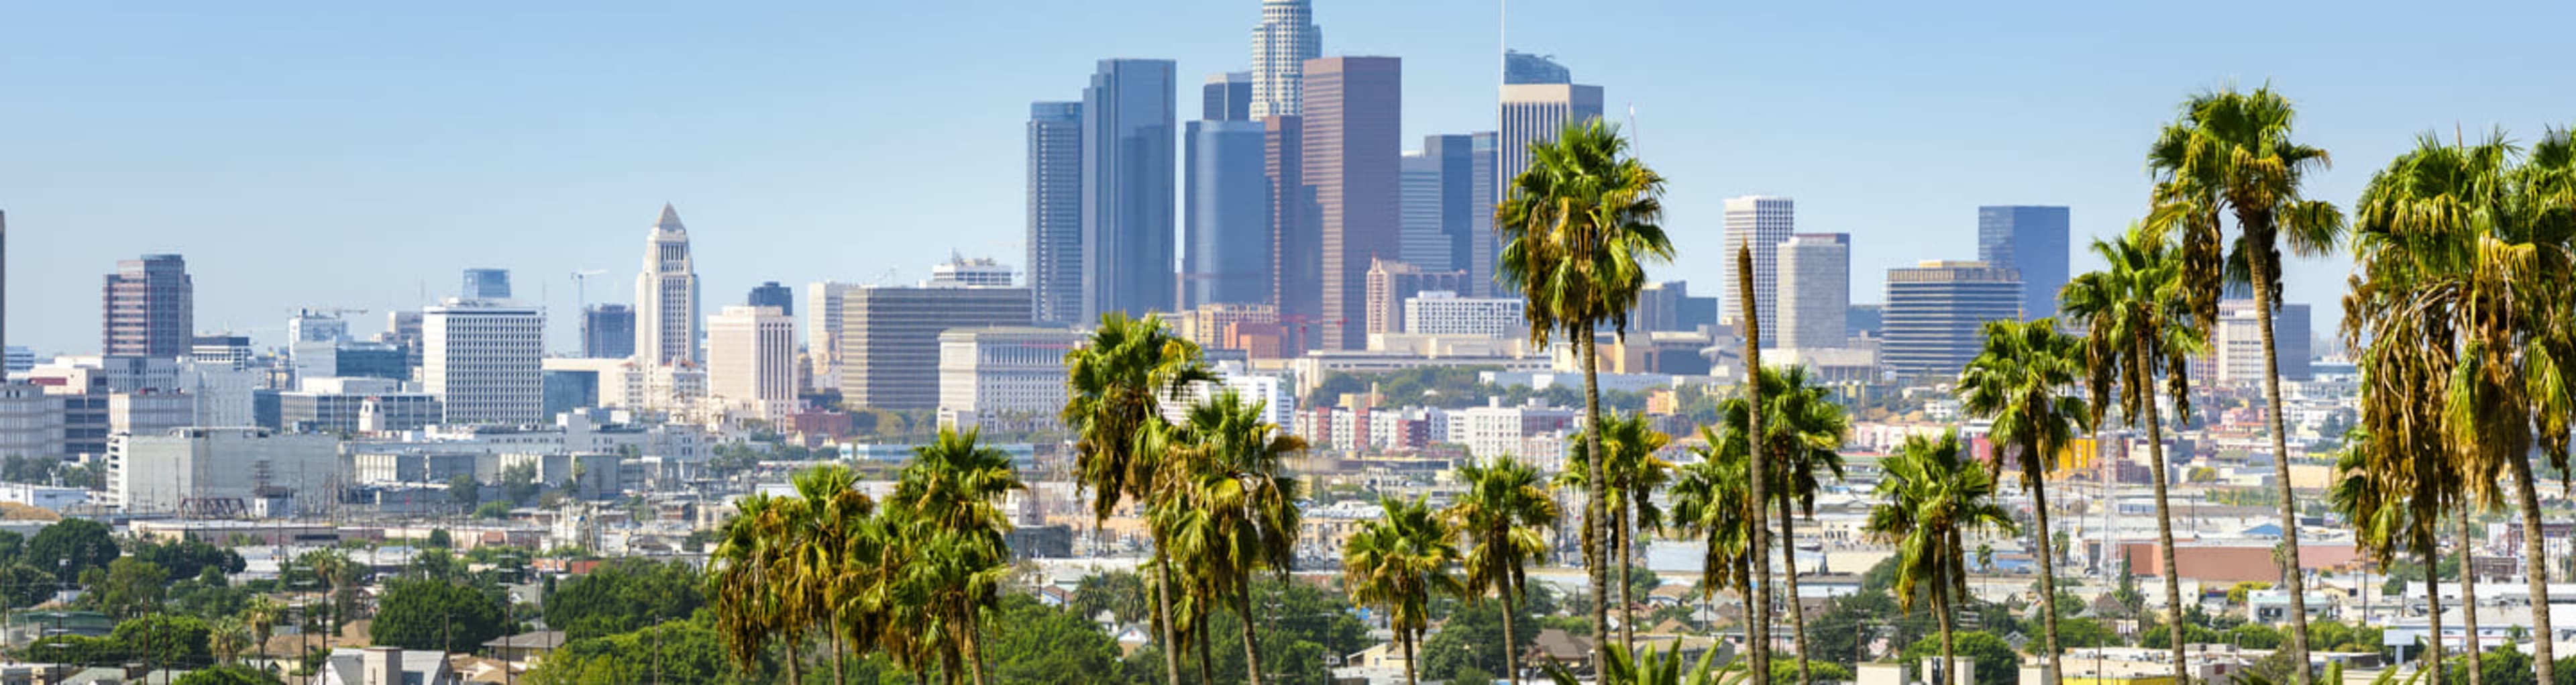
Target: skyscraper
<point x="1127" y="193"/>
<point x="823" y="302"/>
<point x="2031" y="241"/>
<point x="148" y="308"/>
<point x="1465" y="165"/>
<point x="1225" y="256"/>
<point x="608" y="331"/>
<point x="486" y="284"/>
<point x="890" y="338"/>
<point x="1297" y="260"/>
<point x="1815" y="290"/>
<point x="1418" y="219"/>
<point x="1354" y="112"/>
<point x="1281" y="44"/>
<point x="666" y="295"/>
<point x="771" y="294"/>
<point x="1535" y="113"/>
<point x="1055" y="210"/>
<point x="1390" y="283"/>
<point x="1935" y="311"/>
<point x="1521" y="68"/>
<point x="1226" y="97"/>
<point x="751" y="358"/>
<point x="485" y="360"/>
<point x="1767" y="222"/>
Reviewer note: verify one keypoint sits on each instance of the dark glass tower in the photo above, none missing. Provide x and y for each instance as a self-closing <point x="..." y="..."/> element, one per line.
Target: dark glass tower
<point x="1225" y="255"/>
<point x="149" y="308"/>
<point x="2032" y="242"/>
<point x="771" y="294"/>
<point x="1055" y="211"/>
<point x="1128" y="172"/>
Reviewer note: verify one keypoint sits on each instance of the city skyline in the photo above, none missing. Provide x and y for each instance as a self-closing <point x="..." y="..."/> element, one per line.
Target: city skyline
<point x="490" y="181"/>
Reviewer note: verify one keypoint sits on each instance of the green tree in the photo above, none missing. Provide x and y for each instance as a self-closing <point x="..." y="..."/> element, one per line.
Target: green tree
<point x="23" y="585"/>
<point x="1233" y="510"/>
<point x="1930" y="498"/>
<point x="623" y="596"/>
<point x="465" y="492"/>
<point x="951" y="534"/>
<point x="2023" y="380"/>
<point x="2393" y="501"/>
<point x="750" y="579"/>
<point x="1578" y="228"/>
<point x="163" y="641"/>
<point x="519" y="483"/>
<point x="492" y="510"/>
<point x="674" y="652"/>
<point x="436" y="614"/>
<point x="1396" y="563"/>
<point x="1115" y="387"/>
<point x="1996" y="662"/>
<point x="1502" y="516"/>
<point x="189" y="558"/>
<point x="1803" y="436"/>
<point x="71" y="547"/>
<point x="1120" y="593"/>
<point x="1035" y="644"/>
<point x="127" y="588"/>
<point x="1712" y="502"/>
<point x="228" y="674"/>
<point x="1473" y="638"/>
<point x="2230" y="155"/>
<point x="2137" y="326"/>
<point x="1635" y="474"/>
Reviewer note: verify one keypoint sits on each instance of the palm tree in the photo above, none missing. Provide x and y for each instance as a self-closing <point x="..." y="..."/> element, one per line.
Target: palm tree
<point x="2393" y="501"/>
<point x="1712" y="502"/>
<point x="1234" y="511"/>
<point x="1578" y="228"/>
<point x="2230" y="155"/>
<point x="2136" y="328"/>
<point x="227" y="639"/>
<point x="2465" y="261"/>
<point x="1758" y="545"/>
<point x="945" y="506"/>
<point x="1634" y="474"/>
<point x="1115" y="387"/>
<point x="1396" y="562"/>
<point x="1805" y="431"/>
<point x="262" y="615"/>
<point x="1931" y="496"/>
<point x="1500" y="515"/>
<point x="747" y="582"/>
<point x="824" y="525"/>
<point x="2024" y="381"/>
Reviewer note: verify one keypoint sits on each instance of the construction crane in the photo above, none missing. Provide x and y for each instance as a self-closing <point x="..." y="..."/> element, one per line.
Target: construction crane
<point x="581" y="288"/>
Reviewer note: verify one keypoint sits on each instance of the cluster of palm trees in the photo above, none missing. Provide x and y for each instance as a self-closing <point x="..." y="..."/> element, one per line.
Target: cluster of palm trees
<point x="907" y="578"/>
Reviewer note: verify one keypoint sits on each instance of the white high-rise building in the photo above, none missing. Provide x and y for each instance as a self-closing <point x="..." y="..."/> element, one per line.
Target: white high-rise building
<point x="1815" y="291"/>
<point x="961" y="272"/>
<point x="666" y="296"/>
<point x="1535" y="113"/>
<point x="823" y="331"/>
<point x="1286" y="38"/>
<point x="751" y="358"/>
<point x="1766" y="222"/>
<point x="485" y="361"/>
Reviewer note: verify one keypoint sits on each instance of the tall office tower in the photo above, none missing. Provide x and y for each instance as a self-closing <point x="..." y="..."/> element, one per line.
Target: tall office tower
<point x="1390" y="283"/>
<point x="2030" y="241"/>
<point x="1225" y="253"/>
<point x="148" y="308"/>
<point x="666" y="296"/>
<point x="1668" y="306"/>
<point x="1055" y="211"/>
<point x="2235" y="354"/>
<point x="1226" y="97"/>
<point x="486" y="284"/>
<point x="1418" y="213"/>
<point x="823" y="303"/>
<point x="1297" y="261"/>
<point x="485" y="360"/>
<point x="1286" y="38"/>
<point x="1935" y="311"/>
<point x="1521" y="68"/>
<point x="1484" y="172"/>
<point x="1354" y="115"/>
<point x="1767" y="222"/>
<point x="890" y="337"/>
<point x="751" y="357"/>
<point x="1535" y="113"/>
<point x="1127" y="173"/>
<point x="607" y="331"/>
<point x="1815" y="290"/>
<point x="771" y="294"/>
<point x="1464" y="166"/>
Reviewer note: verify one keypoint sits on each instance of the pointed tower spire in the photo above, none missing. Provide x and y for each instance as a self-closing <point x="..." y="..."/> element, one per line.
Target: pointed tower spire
<point x="670" y="220"/>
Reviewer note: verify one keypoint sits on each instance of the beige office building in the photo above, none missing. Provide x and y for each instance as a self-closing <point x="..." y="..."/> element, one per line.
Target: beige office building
<point x="751" y="359"/>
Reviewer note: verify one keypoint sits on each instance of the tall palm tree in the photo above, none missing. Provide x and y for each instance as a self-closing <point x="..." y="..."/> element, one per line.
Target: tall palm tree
<point x="1578" y="228"/>
<point x="1501" y="516"/>
<point x="2229" y="155"/>
<point x="2464" y="260"/>
<point x="1758" y="545"/>
<point x="1804" y="435"/>
<point x="1396" y="562"/>
<point x="1234" y="510"/>
<point x="2393" y="501"/>
<point x="2137" y="327"/>
<point x="824" y="524"/>
<point x="1930" y="498"/>
<point x="1115" y="386"/>
<point x="261" y="614"/>
<point x="946" y="500"/>
<point x="1713" y="502"/>
<point x="748" y="582"/>
<point x="1635" y="473"/>
<point x="2024" y="380"/>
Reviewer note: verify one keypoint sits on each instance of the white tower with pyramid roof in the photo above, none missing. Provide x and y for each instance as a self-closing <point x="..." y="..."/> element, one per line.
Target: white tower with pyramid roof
<point x="666" y="296"/>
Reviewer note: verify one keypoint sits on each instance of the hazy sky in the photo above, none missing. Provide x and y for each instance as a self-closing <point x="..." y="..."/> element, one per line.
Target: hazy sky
<point x="359" y="155"/>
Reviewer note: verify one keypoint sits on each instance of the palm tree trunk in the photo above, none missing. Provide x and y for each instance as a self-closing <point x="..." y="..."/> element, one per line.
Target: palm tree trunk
<point x="1163" y="612"/>
<point x="2047" y="560"/>
<point x="1949" y="650"/>
<point x="1207" y="650"/>
<point x="795" y="660"/>
<point x="2140" y="378"/>
<point x="974" y="650"/>
<point x="1627" y="604"/>
<point x="1744" y="585"/>
<point x="2265" y="274"/>
<point x="1595" y="513"/>
<point x="2432" y="604"/>
<point x="1511" y="645"/>
<point x="1789" y="576"/>
<point x="838" y="676"/>
<point x="1405" y="637"/>
<point x="1759" y="634"/>
<point x="2470" y="645"/>
<point x="2535" y="567"/>
<point x="1252" y="649"/>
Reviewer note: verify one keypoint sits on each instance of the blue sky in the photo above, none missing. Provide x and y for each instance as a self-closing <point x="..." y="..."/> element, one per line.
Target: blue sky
<point x="359" y="155"/>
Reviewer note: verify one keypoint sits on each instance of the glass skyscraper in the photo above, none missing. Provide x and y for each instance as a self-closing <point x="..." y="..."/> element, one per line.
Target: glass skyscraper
<point x="2030" y="241"/>
<point x="1055" y="211"/>
<point x="1128" y="132"/>
<point x="1225" y="255"/>
<point x="1525" y="68"/>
